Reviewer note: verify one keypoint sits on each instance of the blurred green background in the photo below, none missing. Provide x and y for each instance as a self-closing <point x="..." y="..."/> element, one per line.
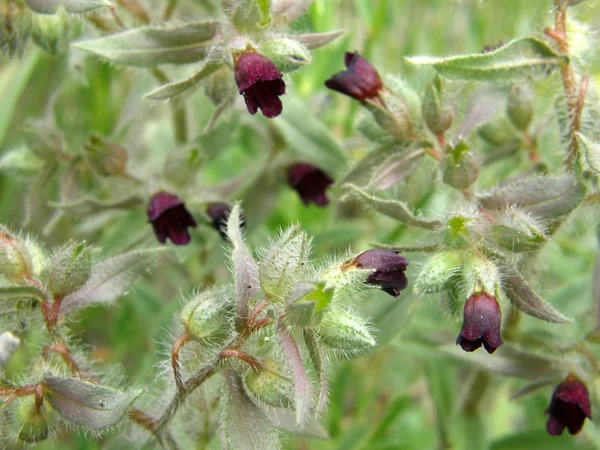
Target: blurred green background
<point x="405" y="394"/>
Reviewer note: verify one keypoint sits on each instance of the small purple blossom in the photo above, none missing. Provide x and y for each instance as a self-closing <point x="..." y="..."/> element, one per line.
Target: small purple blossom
<point x="169" y="218"/>
<point x="260" y="83"/>
<point x="389" y="270"/>
<point x="481" y="324"/>
<point x="310" y="182"/>
<point x="569" y="407"/>
<point x="360" y="81"/>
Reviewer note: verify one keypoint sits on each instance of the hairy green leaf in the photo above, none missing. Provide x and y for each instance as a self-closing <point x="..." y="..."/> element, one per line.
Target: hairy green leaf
<point x="547" y="197"/>
<point x="525" y="299"/>
<point x="514" y="61"/>
<point x="393" y="208"/>
<point x="151" y="46"/>
<point x="316" y="40"/>
<point x="72" y="6"/>
<point x="111" y="278"/>
<point x="21" y="292"/>
<point x="175" y="89"/>
<point x="91" y="405"/>
<point x="592" y="151"/>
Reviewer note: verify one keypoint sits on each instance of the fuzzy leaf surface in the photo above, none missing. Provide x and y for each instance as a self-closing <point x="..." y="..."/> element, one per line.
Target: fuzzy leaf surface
<point x="111" y="278"/>
<point x="546" y="197"/>
<point x="395" y="169"/>
<point x="316" y="40"/>
<point x="21" y="292"/>
<point x="245" y="269"/>
<point x="177" y="88"/>
<point x="592" y="152"/>
<point x="514" y="61"/>
<point x="285" y="420"/>
<point x="525" y="299"/>
<point x="393" y="208"/>
<point x="72" y="6"/>
<point x="90" y="405"/>
<point x="245" y="426"/>
<point x="151" y="46"/>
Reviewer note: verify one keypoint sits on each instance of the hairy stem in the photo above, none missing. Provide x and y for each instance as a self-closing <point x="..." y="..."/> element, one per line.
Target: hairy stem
<point x="175" y="360"/>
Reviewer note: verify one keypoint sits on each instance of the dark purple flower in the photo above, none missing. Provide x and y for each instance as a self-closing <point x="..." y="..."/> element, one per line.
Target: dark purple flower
<point x="389" y="269"/>
<point x="481" y="324"/>
<point x="360" y="81"/>
<point x="260" y="83"/>
<point x="219" y="213"/>
<point x="310" y="182"/>
<point x="169" y="218"/>
<point x="569" y="407"/>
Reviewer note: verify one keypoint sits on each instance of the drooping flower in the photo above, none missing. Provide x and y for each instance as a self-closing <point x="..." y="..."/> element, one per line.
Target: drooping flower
<point x="169" y="218"/>
<point x="569" y="407"/>
<point x="389" y="270"/>
<point x="360" y="80"/>
<point x="481" y="324"/>
<point x="219" y="213"/>
<point x="260" y="83"/>
<point x="310" y="182"/>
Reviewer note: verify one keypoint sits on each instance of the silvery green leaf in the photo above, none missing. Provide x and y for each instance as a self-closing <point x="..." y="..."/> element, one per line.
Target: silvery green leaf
<point x="286" y="11"/>
<point x="88" y="205"/>
<point x="514" y="61"/>
<point x="244" y="425"/>
<point x="285" y="263"/>
<point x="525" y="299"/>
<point x="316" y="40"/>
<point x="93" y="406"/>
<point x="21" y="161"/>
<point x="395" y="169"/>
<point x="22" y="293"/>
<point x="546" y="197"/>
<point x="301" y="381"/>
<point x="484" y="103"/>
<point x="363" y="170"/>
<point x="592" y="152"/>
<point x="175" y="89"/>
<point x="285" y="420"/>
<point x="111" y="278"/>
<point x="393" y="208"/>
<point x="317" y="357"/>
<point x="511" y="362"/>
<point x="72" y="6"/>
<point x="245" y="269"/>
<point x="151" y="46"/>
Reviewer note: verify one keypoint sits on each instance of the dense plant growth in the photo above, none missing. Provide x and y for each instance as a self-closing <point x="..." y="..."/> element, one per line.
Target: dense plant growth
<point x="238" y="224"/>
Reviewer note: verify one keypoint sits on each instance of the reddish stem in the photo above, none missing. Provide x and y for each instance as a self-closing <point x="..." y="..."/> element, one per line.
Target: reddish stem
<point x="62" y="349"/>
<point x="184" y="339"/>
<point x="39" y="397"/>
<point x="242" y="356"/>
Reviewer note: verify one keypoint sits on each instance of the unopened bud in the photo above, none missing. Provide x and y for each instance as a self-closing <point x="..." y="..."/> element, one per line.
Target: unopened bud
<point x="105" y="157"/>
<point x="15" y="260"/>
<point x="285" y="264"/>
<point x="498" y="131"/>
<point x="437" y="272"/>
<point x="393" y="117"/>
<point x="520" y="106"/>
<point x="33" y="424"/>
<point x="252" y="15"/>
<point x="51" y="31"/>
<point x="438" y="114"/>
<point x="69" y="269"/>
<point x="306" y="310"/>
<point x="518" y="232"/>
<point x="287" y="54"/>
<point x="459" y="168"/>
<point x="344" y="331"/>
<point x="207" y="317"/>
<point x="269" y="387"/>
<point x="218" y="86"/>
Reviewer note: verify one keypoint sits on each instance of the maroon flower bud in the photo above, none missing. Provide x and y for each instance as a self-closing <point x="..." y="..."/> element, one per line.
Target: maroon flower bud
<point x="569" y="407"/>
<point x="389" y="270"/>
<point x="219" y="213"/>
<point x="360" y="81"/>
<point x="169" y="218"/>
<point x="310" y="182"/>
<point x="481" y="324"/>
<point x="260" y="83"/>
